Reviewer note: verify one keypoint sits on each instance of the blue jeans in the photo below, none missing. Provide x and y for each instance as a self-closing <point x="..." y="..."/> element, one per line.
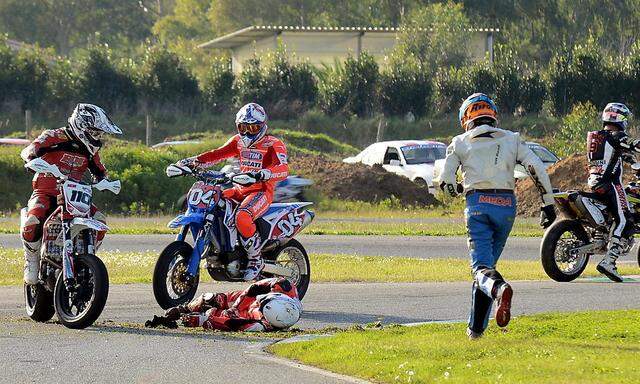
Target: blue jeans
<point x="489" y="219"/>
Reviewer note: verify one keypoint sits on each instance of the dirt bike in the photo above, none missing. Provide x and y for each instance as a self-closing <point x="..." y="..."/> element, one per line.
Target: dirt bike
<point x="73" y="282"/>
<point x="582" y="231"/>
<point x="211" y="220"/>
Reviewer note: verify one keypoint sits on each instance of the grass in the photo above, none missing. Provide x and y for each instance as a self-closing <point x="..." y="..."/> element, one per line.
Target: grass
<point x="128" y="267"/>
<point x="337" y="223"/>
<point x="587" y="347"/>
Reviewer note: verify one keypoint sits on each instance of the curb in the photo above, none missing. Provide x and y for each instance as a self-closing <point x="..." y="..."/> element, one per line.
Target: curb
<point x="259" y="351"/>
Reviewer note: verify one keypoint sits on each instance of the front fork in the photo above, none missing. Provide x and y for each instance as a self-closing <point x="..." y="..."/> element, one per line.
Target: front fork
<point x="68" y="274"/>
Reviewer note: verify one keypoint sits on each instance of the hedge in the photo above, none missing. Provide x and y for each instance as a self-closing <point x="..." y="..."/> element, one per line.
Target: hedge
<point x="161" y="83"/>
<point x="145" y="187"/>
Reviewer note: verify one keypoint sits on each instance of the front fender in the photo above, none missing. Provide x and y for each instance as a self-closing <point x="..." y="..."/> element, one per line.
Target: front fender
<point x="182" y="220"/>
<point x="79" y="224"/>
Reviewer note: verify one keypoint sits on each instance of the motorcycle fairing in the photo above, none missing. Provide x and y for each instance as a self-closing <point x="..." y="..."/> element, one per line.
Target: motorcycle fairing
<point x="77" y="198"/>
<point x="189" y="219"/>
<point x="287" y="219"/>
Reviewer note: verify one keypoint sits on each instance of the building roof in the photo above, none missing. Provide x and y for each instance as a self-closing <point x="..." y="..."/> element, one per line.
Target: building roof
<point x="254" y="32"/>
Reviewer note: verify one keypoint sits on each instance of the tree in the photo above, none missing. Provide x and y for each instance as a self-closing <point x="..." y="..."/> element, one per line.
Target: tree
<point x="68" y="24"/>
<point x="436" y="35"/>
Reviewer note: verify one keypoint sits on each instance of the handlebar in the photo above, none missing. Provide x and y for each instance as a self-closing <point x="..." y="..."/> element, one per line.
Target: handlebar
<point x="211" y="177"/>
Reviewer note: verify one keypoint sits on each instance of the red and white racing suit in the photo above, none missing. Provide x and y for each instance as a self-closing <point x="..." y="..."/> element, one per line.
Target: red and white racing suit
<point x="237" y="310"/>
<point x="268" y="153"/>
<point x="56" y="147"/>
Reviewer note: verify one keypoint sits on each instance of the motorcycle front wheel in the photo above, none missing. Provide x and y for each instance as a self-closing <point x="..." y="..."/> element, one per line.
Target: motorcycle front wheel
<point x="559" y="260"/>
<point x="294" y="256"/>
<point x="38" y="302"/>
<point x="81" y="307"/>
<point x="170" y="286"/>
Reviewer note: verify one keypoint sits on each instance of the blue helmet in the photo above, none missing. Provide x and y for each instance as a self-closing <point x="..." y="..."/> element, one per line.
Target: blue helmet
<point x="477" y="106"/>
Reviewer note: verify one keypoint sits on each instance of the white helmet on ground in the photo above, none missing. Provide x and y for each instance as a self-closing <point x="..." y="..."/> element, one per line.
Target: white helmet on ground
<point x="279" y="310"/>
<point x="251" y="122"/>
<point x="88" y="123"/>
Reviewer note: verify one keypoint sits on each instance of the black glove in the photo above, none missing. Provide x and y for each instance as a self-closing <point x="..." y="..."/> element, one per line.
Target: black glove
<point x="161" y="321"/>
<point x="547" y="215"/>
<point x="259" y="175"/>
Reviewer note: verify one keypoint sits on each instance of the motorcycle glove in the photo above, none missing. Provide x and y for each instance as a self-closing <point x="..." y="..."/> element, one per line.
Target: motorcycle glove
<point x="261" y="175"/>
<point x="547" y="215"/>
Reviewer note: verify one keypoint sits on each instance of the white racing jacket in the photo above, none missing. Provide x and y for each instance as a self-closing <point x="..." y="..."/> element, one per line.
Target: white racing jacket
<point x="488" y="155"/>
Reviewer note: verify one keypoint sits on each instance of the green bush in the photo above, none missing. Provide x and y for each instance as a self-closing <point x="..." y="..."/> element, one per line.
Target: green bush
<point x="532" y="93"/>
<point x="164" y="80"/>
<point x="351" y="88"/>
<point x="572" y="136"/>
<point x="217" y="87"/>
<point x="405" y="87"/>
<point x="32" y="78"/>
<point x="578" y="77"/>
<point x="451" y="89"/>
<point x="102" y="83"/>
<point x="509" y="87"/>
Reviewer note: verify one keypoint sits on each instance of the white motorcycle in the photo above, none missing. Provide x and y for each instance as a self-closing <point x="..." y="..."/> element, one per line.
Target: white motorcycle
<point x="73" y="282"/>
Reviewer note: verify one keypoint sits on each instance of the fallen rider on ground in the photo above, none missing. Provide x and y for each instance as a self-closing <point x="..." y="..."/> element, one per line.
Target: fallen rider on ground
<point x="266" y="305"/>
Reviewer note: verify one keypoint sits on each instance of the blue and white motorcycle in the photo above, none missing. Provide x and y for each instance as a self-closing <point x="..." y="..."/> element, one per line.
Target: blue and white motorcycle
<point x="210" y="219"/>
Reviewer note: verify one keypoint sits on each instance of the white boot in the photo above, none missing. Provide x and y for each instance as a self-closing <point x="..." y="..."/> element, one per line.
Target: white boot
<point x="608" y="265"/>
<point x="253" y="245"/>
<point x="31" y="261"/>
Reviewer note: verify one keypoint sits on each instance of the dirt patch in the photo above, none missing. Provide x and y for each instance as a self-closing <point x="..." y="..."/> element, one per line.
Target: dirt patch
<point x="569" y="173"/>
<point x="360" y="182"/>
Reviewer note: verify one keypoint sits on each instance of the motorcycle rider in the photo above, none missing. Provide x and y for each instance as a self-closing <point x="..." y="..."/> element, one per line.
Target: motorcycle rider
<point x="488" y="156"/>
<point x="265" y="158"/>
<point x="606" y="149"/>
<point x="74" y="150"/>
<point x="266" y="305"/>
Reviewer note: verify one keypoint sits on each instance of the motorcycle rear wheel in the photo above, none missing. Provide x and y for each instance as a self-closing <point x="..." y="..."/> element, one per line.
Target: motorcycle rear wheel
<point x="168" y="288"/>
<point x="552" y="239"/>
<point x="293" y="255"/>
<point x="38" y="302"/>
<point x="81" y="308"/>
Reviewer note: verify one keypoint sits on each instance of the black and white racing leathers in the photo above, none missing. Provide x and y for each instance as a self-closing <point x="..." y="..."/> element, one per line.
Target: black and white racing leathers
<point x="605" y="151"/>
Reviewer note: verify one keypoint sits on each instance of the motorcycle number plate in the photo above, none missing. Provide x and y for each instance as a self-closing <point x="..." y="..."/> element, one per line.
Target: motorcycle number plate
<point x="202" y="194"/>
<point x="77" y="198"/>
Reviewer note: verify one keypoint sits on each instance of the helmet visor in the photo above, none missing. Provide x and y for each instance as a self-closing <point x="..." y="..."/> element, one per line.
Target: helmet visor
<point x="249" y="128"/>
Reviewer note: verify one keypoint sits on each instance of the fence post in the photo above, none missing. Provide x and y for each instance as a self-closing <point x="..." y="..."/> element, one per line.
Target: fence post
<point x="148" y="129"/>
<point x="27" y="123"/>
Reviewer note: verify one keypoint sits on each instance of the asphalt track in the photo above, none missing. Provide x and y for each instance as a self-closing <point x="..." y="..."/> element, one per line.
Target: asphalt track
<point x="118" y="350"/>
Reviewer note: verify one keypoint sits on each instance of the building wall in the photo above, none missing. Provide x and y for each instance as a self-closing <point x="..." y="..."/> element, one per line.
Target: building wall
<point x="324" y="48"/>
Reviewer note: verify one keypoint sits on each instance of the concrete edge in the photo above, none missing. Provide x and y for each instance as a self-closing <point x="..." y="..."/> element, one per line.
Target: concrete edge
<point x="259" y="351"/>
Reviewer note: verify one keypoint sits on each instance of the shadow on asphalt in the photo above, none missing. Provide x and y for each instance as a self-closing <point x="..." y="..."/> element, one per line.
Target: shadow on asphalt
<point x="331" y="318"/>
<point x="195" y="333"/>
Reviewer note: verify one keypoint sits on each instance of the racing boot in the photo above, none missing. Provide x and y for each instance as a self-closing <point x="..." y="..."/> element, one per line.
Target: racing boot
<point x="608" y="265"/>
<point x="504" y="293"/>
<point x="473" y="335"/>
<point x="253" y="245"/>
<point x="31" y="261"/>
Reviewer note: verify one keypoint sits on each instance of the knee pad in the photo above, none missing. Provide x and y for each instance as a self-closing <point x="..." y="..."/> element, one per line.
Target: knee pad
<point x="31" y="229"/>
<point x="488" y="279"/>
<point x="245" y="224"/>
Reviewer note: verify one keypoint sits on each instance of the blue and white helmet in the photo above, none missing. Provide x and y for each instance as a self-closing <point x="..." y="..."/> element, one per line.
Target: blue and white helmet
<point x="617" y="114"/>
<point x="251" y="122"/>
